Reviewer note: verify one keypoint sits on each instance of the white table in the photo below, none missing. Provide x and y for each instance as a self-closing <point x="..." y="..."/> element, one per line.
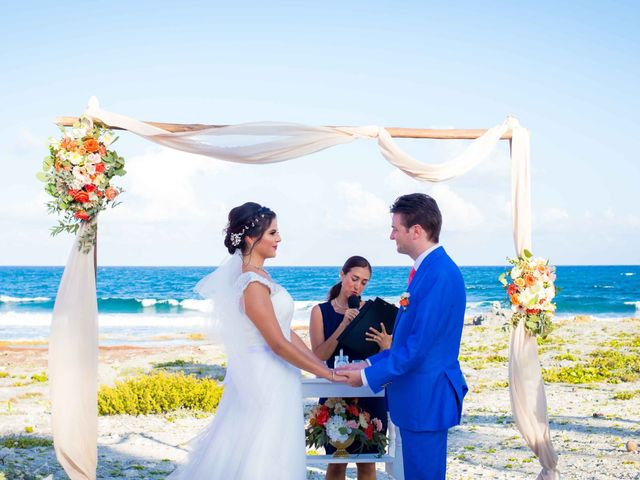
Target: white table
<point x="319" y="387"/>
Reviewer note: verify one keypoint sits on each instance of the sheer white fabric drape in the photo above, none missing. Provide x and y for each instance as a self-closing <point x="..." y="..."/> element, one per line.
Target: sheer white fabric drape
<point x="285" y="141"/>
<point x="73" y="367"/>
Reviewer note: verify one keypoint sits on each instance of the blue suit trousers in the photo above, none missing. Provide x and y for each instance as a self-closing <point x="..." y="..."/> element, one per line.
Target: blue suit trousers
<point x="424" y="454"/>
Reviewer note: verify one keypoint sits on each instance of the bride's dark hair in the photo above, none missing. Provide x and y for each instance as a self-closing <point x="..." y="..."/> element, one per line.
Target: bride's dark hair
<point x="248" y="220"/>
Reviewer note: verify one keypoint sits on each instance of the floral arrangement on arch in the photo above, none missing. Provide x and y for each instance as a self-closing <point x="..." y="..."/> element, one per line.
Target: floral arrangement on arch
<point x="340" y="420"/>
<point x="531" y="292"/>
<point x="77" y="173"/>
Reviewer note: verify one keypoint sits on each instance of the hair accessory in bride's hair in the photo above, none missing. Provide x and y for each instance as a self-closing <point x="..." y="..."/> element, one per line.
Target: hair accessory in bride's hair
<point x="236" y="238"/>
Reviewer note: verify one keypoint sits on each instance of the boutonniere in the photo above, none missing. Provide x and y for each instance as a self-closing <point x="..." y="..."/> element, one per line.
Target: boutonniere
<point x="404" y="300"/>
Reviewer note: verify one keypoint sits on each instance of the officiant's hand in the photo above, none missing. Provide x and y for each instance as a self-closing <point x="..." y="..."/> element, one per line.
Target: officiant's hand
<point x="382" y="338"/>
<point x="350" y="314"/>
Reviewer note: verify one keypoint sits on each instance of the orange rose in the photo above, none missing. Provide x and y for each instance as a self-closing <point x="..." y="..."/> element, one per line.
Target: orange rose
<point x="68" y="144"/>
<point x="100" y="167"/>
<point x="91" y="145"/>
<point x="529" y="279"/>
<point x="82" y="215"/>
<point x="82" y="197"/>
<point x="111" y="193"/>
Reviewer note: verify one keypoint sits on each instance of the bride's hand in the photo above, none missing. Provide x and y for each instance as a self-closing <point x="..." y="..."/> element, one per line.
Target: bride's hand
<point x="336" y="377"/>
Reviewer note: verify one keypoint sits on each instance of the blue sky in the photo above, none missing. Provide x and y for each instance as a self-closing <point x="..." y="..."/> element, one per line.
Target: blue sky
<point x="568" y="72"/>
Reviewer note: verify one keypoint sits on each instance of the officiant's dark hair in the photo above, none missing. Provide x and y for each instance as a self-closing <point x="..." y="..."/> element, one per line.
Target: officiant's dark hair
<point x="352" y="262"/>
<point x="419" y="209"/>
<point x="248" y="220"/>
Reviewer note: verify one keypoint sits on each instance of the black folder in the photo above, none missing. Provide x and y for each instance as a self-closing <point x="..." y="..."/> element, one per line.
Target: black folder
<point x="372" y="313"/>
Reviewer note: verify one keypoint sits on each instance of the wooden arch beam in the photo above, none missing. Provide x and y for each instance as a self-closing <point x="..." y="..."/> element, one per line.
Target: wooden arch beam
<point x="433" y="133"/>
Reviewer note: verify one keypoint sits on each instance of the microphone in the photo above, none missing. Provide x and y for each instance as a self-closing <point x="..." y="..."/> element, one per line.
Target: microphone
<point x="353" y="301"/>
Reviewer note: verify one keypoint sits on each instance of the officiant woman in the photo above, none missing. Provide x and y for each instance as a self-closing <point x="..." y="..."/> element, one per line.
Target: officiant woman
<point x="328" y="321"/>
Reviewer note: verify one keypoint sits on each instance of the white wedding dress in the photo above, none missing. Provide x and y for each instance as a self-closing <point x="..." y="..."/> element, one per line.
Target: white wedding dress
<point x="258" y="430"/>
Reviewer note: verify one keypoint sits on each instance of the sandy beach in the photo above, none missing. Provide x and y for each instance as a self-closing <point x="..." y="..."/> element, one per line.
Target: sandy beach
<point x="590" y="422"/>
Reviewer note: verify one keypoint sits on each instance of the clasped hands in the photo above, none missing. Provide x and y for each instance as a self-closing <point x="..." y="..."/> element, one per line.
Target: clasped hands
<point x="351" y="373"/>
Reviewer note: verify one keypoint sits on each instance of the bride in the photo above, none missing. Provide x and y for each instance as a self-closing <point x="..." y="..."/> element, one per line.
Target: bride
<point x="258" y="430"/>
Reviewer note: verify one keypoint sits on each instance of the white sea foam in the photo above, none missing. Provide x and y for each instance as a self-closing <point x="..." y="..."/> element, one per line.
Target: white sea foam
<point x="628" y="274"/>
<point x="30" y="320"/>
<point x="193" y="304"/>
<point x="7" y="299"/>
<point x="635" y="304"/>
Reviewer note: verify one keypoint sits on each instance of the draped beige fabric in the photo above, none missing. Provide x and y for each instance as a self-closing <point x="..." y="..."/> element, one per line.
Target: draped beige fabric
<point x="269" y="142"/>
<point x="73" y="367"/>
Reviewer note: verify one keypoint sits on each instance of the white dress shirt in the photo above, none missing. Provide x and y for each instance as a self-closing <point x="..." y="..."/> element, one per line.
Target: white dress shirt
<point x="416" y="266"/>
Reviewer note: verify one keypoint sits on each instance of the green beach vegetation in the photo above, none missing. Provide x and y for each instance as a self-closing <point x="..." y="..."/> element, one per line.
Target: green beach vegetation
<point x="159" y="392"/>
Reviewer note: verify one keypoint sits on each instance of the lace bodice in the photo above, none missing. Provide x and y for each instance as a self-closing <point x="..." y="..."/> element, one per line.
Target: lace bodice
<point x="282" y="306"/>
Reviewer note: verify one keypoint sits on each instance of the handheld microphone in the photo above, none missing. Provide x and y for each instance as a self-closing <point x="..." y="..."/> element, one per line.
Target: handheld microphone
<point x="353" y="301"/>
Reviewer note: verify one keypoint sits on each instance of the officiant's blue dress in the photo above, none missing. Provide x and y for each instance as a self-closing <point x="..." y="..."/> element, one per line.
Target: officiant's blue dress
<point x="375" y="406"/>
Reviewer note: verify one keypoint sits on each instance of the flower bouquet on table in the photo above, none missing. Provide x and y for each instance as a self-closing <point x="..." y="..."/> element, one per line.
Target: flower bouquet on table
<point x="340" y="422"/>
<point x="531" y="292"/>
<point x="77" y="173"/>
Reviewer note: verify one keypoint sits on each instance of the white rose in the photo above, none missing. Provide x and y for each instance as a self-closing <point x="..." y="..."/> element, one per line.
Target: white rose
<point x="106" y="139"/>
<point x="78" y="132"/>
<point x="75" y="158"/>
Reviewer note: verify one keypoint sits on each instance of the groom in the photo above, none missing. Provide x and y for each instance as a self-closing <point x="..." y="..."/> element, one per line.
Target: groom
<point x="421" y="374"/>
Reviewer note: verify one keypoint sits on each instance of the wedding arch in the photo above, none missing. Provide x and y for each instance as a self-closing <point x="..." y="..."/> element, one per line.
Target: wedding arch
<point x="73" y="344"/>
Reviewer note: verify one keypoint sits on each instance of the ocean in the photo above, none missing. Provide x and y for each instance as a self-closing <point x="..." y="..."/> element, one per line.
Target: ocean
<point x="140" y="305"/>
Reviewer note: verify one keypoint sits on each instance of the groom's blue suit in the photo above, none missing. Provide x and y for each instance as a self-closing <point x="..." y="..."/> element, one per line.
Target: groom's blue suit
<point x="424" y="384"/>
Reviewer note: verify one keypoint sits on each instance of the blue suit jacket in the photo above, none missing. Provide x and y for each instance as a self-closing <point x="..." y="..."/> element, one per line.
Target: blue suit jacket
<point x="424" y="384"/>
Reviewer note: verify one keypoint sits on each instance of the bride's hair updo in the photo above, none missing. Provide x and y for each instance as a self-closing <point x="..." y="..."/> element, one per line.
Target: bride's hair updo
<point x="248" y="220"/>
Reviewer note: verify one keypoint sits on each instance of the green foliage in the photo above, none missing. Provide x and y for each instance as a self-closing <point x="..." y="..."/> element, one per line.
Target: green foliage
<point x="159" y="392"/>
<point x="608" y="366"/>
<point x="565" y="356"/>
<point x="624" y="340"/>
<point x="495" y="358"/>
<point x="39" y="377"/>
<point x="4" y="374"/>
<point x="628" y="395"/>
<point x="174" y="363"/>
<point x="502" y="384"/>
<point x="19" y="441"/>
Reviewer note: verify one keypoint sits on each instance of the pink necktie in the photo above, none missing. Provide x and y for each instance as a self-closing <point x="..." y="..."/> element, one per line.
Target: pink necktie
<point x="411" y="274"/>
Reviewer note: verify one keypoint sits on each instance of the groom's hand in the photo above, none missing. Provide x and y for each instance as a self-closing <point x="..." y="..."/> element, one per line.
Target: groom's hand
<point x="352" y="366"/>
<point x="353" y="377"/>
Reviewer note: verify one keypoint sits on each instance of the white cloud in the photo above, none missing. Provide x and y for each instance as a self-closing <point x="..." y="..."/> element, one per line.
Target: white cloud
<point x="363" y="209"/>
<point x="459" y="214"/>
<point x="27" y="140"/>
<point x="160" y="186"/>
